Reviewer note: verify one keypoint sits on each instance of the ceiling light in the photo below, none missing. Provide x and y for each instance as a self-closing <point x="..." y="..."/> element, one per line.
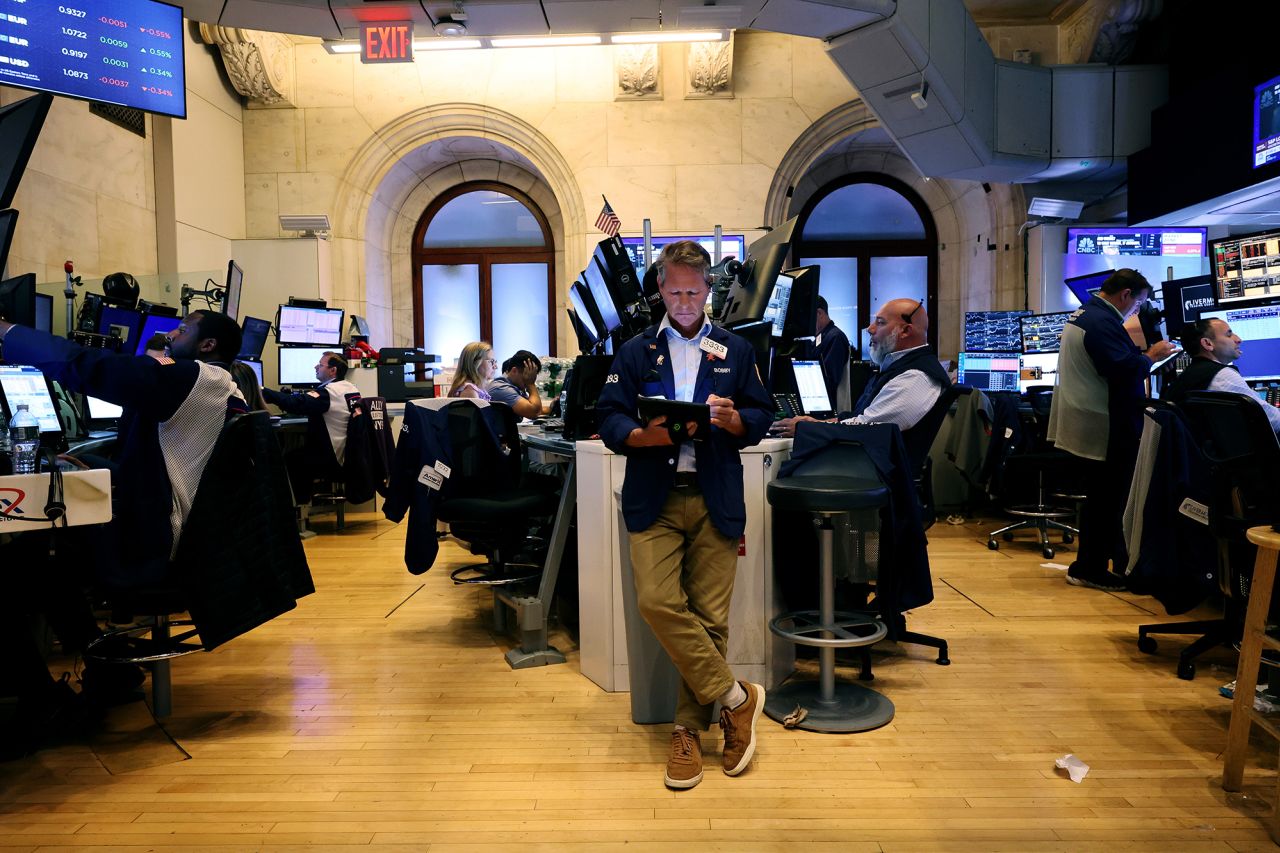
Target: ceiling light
<point x="342" y="46"/>
<point x="310" y="224"/>
<point x="672" y="36"/>
<point x="1055" y="208"/>
<point x="446" y="44"/>
<point x="545" y="41"/>
<point x="452" y="26"/>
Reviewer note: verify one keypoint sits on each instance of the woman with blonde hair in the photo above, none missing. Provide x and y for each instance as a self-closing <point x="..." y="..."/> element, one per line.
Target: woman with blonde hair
<point x="476" y="366"/>
<point x="247" y="381"/>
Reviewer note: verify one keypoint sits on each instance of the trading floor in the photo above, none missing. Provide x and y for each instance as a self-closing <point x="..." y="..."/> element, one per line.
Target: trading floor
<point x="381" y="714"/>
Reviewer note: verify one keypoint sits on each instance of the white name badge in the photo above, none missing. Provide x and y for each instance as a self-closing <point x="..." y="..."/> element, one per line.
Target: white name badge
<point x="715" y="348"/>
<point x="430" y="478"/>
<point x="444" y="469"/>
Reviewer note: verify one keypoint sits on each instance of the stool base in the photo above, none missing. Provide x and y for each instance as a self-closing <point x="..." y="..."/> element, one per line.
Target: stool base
<point x="854" y="708"/>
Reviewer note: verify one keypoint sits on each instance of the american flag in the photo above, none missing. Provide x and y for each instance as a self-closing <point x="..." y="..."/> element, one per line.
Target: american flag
<point x="608" y="221"/>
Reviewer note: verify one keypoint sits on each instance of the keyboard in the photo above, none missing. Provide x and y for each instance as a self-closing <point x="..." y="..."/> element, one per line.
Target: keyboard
<point x="550" y="424"/>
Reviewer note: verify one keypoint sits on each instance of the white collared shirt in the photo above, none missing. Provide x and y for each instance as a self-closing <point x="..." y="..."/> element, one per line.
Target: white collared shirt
<point x="904" y="400"/>
<point x="686" y="359"/>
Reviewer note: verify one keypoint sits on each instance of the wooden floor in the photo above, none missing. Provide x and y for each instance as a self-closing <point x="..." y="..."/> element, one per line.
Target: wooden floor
<point x="381" y="714"/>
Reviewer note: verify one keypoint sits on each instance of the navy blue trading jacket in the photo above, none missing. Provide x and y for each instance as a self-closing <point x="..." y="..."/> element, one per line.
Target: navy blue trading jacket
<point x="150" y="393"/>
<point x="424" y="440"/>
<point x="643" y="368"/>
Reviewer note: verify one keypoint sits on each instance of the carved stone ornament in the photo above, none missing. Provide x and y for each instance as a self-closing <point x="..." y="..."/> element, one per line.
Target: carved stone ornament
<point x="709" y="70"/>
<point x="260" y="64"/>
<point x="636" y="70"/>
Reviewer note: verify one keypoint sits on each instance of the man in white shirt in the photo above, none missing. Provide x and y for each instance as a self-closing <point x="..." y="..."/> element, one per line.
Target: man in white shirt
<point x="1214" y="349"/>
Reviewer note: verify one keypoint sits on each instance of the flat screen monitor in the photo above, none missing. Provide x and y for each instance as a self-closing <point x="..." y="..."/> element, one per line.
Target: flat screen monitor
<point x="1083" y="287"/>
<point x="582" y="390"/>
<point x="1259" y="328"/>
<point x="731" y="246"/>
<point x="20" y="384"/>
<point x="993" y="331"/>
<point x="1266" y="123"/>
<point x="1043" y="332"/>
<point x="20" y="125"/>
<point x="620" y="277"/>
<point x="799" y="318"/>
<point x="18" y="303"/>
<point x="1136" y="242"/>
<point x="775" y="313"/>
<point x="1245" y="268"/>
<point x="253" y="337"/>
<point x="586" y="337"/>
<point x="584" y="304"/>
<point x="121" y="323"/>
<point x="1184" y="300"/>
<point x="235" y="280"/>
<point x="989" y="371"/>
<point x="300" y="325"/>
<point x="153" y="325"/>
<point x="298" y="364"/>
<point x="1038" y="369"/>
<point x="101" y="412"/>
<point x="811" y="388"/>
<point x="8" y="222"/>
<point x="126" y="52"/>
<point x="256" y="367"/>
<point x="596" y="279"/>
<point x="750" y="292"/>
<point x="44" y="310"/>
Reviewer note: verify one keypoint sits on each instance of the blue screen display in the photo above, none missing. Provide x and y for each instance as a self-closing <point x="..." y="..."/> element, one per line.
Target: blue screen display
<point x="126" y="52"/>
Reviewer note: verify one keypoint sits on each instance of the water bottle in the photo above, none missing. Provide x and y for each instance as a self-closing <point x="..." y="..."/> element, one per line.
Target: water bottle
<point x="4" y="435"/>
<point x="24" y="438"/>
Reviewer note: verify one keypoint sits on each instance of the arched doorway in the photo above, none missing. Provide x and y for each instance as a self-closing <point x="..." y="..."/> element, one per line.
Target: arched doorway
<point x="875" y="240"/>
<point x="484" y="269"/>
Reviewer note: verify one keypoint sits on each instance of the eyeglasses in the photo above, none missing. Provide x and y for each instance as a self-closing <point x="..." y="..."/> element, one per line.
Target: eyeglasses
<point x="492" y="361"/>
<point x="906" y="318"/>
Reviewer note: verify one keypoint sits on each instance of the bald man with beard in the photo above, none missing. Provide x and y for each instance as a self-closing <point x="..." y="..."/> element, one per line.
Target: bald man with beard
<point x="909" y="382"/>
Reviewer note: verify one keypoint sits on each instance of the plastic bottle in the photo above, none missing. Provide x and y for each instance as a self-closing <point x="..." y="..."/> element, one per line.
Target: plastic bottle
<point x="24" y="438"/>
<point x="4" y="435"/>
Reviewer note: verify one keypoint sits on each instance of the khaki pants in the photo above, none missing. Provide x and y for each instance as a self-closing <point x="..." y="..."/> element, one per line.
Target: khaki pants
<point x="684" y="570"/>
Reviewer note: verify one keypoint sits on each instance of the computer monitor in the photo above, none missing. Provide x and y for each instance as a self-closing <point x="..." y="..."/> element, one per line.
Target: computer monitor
<point x="152" y="325"/>
<point x="8" y="222"/>
<point x="584" y="305"/>
<point x="1043" y="332"/>
<point x="1038" y="369"/>
<point x="582" y="389"/>
<point x="586" y="338"/>
<point x="256" y="367"/>
<point x="596" y="279"/>
<point x="1083" y="287"/>
<point x="102" y="415"/>
<point x="989" y="371"/>
<point x="760" y="337"/>
<point x="1184" y="300"/>
<point x="122" y="323"/>
<point x="300" y="325"/>
<point x="811" y="387"/>
<point x="20" y="383"/>
<point x="731" y="246"/>
<point x="44" y="310"/>
<point x="1266" y="123"/>
<point x="20" y="125"/>
<point x="793" y="306"/>
<point x="623" y="284"/>
<point x="993" y="331"/>
<point x="297" y="365"/>
<point x="750" y="292"/>
<point x="18" y="301"/>
<point x="1259" y="328"/>
<point x="235" y="280"/>
<point x="253" y="337"/>
<point x="1245" y="268"/>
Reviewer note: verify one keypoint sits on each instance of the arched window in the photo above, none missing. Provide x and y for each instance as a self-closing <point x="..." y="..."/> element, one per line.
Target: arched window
<point x="484" y="270"/>
<point x="874" y="239"/>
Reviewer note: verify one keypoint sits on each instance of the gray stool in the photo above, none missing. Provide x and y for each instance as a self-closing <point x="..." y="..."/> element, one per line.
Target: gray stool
<point x="831" y="706"/>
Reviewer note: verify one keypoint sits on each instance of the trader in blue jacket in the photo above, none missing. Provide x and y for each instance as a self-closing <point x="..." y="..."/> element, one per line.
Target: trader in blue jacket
<point x="683" y="503"/>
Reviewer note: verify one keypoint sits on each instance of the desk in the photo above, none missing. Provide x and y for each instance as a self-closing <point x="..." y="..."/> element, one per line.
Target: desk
<point x="754" y="652"/>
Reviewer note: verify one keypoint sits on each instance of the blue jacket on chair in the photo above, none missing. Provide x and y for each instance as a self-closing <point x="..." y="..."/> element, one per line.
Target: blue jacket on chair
<point x="643" y="368"/>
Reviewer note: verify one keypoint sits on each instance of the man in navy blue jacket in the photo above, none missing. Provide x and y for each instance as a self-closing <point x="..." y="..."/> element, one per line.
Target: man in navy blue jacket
<point x="1097" y="417"/>
<point x="683" y="503"/>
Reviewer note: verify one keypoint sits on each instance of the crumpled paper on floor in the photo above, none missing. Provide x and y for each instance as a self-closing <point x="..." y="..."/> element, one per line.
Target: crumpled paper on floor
<point x="1075" y="768"/>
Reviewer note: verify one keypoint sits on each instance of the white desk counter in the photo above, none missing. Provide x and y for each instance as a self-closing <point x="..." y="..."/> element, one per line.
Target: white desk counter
<point x="754" y="653"/>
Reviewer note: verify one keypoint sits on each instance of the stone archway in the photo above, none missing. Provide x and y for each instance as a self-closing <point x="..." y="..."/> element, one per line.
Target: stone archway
<point x="414" y="158"/>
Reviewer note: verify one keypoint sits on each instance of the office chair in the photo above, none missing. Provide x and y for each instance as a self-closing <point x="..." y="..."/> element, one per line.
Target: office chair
<point x="1034" y="457"/>
<point x="1236" y="439"/>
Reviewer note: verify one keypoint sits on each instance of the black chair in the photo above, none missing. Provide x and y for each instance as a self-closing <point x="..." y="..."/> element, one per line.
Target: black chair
<point x="922" y="472"/>
<point x="1034" y="459"/>
<point x="239" y="562"/>
<point x="1236" y="439"/>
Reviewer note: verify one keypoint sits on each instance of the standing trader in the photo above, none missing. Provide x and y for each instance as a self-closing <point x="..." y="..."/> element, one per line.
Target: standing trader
<point x="1097" y="417"/>
<point x="328" y="409"/>
<point x="1214" y="349"/>
<point x="683" y="504"/>
<point x="831" y="347"/>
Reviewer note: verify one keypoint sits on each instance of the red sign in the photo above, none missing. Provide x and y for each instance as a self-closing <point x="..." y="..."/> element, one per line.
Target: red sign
<point x="386" y="41"/>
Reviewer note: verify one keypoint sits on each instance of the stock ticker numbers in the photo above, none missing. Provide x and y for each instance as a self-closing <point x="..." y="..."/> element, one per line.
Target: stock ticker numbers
<point x="126" y="52"/>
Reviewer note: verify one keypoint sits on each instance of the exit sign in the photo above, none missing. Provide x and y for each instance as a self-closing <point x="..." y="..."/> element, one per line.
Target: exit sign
<point x="386" y="41"/>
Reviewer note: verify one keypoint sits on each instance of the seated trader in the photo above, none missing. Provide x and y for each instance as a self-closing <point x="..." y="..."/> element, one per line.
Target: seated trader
<point x="1213" y="348"/>
<point x="831" y="347"/>
<point x="518" y="385"/>
<point x="173" y="415"/>
<point x="328" y="409"/>
<point x="909" y="382"/>
<point x="683" y="504"/>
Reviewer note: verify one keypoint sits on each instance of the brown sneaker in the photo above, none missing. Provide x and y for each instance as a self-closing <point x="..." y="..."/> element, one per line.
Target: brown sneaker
<point x="739" y="727"/>
<point x="684" y="767"/>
